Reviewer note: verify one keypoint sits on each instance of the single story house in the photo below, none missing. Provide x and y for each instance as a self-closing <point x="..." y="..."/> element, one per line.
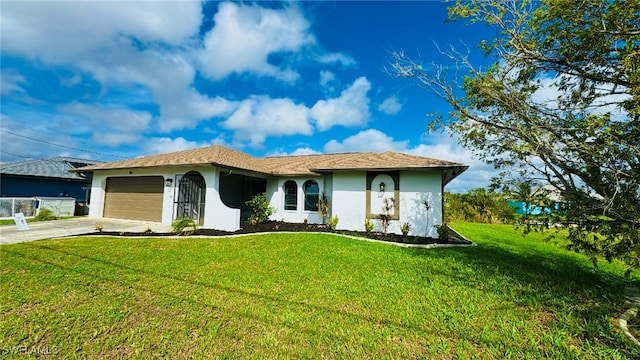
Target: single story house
<point x="212" y="184"/>
<point x="49" y="177"/>
<point x="547" y="194"/>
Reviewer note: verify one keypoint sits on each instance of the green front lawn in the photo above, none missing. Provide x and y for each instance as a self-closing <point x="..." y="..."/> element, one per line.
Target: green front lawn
<point x="308" y="295"/>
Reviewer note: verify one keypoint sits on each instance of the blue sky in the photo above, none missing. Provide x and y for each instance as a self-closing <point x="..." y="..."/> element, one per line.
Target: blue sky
<point x="113" y="80"/>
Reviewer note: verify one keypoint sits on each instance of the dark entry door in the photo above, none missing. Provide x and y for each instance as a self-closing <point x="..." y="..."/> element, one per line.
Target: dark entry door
<point x="191" y="196"/>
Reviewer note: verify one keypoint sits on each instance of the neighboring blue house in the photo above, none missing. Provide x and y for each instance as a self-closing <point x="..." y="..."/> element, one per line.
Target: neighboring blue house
<point x="547" y="191"/>
<point x="46" y="178"/>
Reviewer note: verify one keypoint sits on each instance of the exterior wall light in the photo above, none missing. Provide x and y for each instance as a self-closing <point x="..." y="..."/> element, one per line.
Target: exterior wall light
<point x="168" y="182"/>
<point x="382" y="185"/>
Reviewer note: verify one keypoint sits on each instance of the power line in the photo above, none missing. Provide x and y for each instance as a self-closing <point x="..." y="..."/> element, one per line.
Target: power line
<point x="18" y="155"/>
<point x="59" y="145"/>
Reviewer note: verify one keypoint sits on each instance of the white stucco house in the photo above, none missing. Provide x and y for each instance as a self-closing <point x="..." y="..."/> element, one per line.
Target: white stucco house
<point x="212" y="184"/>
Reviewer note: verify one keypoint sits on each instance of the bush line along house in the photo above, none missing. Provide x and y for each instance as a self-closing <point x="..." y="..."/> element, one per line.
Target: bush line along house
<point x="212" y="184"/>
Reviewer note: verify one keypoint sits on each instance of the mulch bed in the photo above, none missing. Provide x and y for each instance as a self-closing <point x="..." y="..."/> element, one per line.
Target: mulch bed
<point x="278" y="226"/>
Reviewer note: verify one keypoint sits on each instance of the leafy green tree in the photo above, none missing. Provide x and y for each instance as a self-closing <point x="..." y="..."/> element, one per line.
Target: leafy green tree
<point x="478" y="205"/>
<point x="559" y="105"/>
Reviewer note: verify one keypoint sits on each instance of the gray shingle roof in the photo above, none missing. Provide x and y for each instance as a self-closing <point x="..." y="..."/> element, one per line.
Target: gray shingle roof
<point x="56" y="167"/>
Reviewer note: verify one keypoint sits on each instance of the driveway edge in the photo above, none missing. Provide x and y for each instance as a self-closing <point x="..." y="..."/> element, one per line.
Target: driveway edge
<point x="632" y="303"/>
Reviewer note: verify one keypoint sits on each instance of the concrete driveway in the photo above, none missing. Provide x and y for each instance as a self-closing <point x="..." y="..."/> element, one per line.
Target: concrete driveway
<point x="9" y="234"/>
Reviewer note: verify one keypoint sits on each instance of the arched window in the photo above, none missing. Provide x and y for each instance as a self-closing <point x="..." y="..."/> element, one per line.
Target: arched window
<point x="290" y="195"/>
<point x="311" y="195"/>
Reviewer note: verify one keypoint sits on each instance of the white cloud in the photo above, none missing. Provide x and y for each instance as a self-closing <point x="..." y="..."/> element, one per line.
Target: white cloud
<point x="260" y="116"/>
<point x="366" y="140"/>
<point x="45" y="135"/>
<point x="71" y="81"/>
<point x="191" y="107"/>
<point x="351" y="108"/>
<point x="152" y="49"/>
<point x="169" y="78"/>
<point x="165" y="145"/>
<point x="304" y="151"/>
<point x="115" y="139"/>
<point x="296" y="152"/>
<point x="447" y="148"/>
<point x="10" y="81"/>
<point x="62" y="32"/>
<point x="110" y="126"/>
<point x="390" y="106"/>
<point x="326" y="78"/>
<point x="114" y="118"/>
<point x="97" y="37"/>
<point x="244" y="37"/>
<point x="337" y="58"/>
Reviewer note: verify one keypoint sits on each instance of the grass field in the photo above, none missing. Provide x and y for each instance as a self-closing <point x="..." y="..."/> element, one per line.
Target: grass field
<point x="31" y="220"/>
<point x="309" y="296"/>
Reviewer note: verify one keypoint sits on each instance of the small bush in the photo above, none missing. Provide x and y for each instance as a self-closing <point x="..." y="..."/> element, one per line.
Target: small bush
<point x="184" y="226"/>
<point x="333" y="222"/>
<point x="368" y="225"/>
<point x="260" y="209"/>
<point x="405" y="227"/>
<point x="45" y="215"/>
<point x="443" y="231"/>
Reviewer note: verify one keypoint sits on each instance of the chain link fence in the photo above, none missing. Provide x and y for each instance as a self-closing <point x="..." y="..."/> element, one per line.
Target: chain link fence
<point x="10" y="206"/>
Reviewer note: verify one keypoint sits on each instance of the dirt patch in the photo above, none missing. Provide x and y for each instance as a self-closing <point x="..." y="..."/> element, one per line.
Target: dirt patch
<point x="279" y="226"/>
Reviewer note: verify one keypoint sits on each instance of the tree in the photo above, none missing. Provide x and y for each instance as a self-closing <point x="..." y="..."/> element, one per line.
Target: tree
<point x="478" y="205"/>
<point x="583" y="140"/>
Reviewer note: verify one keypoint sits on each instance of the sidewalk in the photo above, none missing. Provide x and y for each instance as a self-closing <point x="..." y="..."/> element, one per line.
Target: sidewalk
<point x="9" y="234"/>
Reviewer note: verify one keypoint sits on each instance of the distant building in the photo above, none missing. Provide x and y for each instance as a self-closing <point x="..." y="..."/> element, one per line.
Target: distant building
<point x="46" y="178"/>
<point x="547" y="191"/>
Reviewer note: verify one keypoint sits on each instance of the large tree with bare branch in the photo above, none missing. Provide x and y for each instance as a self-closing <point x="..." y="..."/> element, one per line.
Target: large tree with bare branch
<point x="560" y="105"/>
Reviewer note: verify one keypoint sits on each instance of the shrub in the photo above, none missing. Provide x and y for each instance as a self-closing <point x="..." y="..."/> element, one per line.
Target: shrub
<point x="443" y="231"/>
<point x="184" y="226"/>
<point x="405" y="227"/>
<point x="260" y="209"/>
<point x="333" y="222"/>
<point x="45" y="214"/>
<point x="368" y="225"/>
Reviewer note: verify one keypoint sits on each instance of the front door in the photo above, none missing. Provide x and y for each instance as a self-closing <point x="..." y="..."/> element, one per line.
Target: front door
<point x="190" y="198"/>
